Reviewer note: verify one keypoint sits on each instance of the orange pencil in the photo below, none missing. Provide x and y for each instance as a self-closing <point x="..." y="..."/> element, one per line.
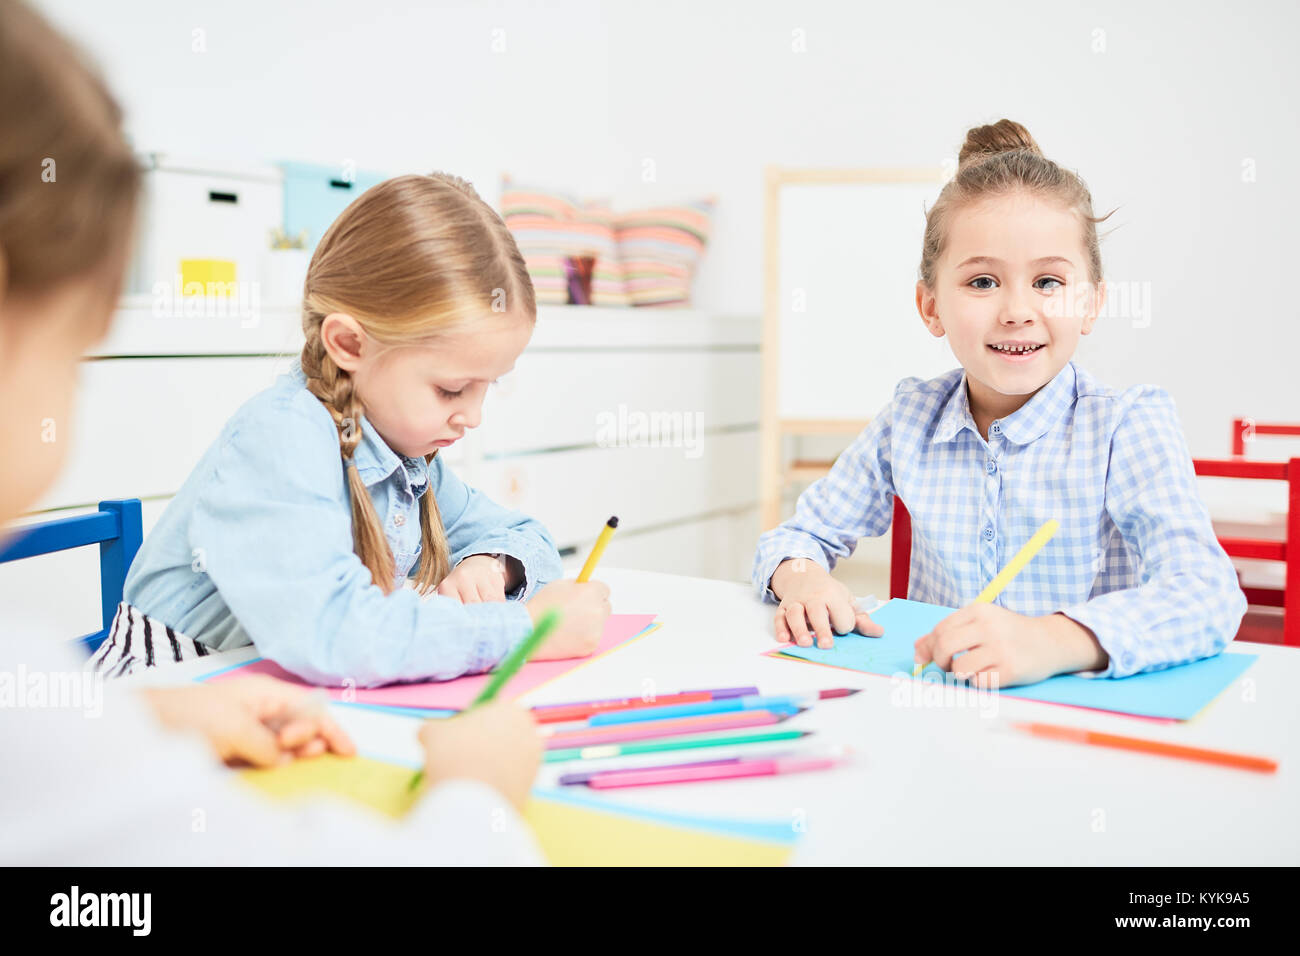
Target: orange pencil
<point x="1221" y="757"/>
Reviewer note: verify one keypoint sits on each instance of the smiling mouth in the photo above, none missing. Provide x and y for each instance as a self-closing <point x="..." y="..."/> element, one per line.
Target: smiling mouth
<point x="1016" y="349"/>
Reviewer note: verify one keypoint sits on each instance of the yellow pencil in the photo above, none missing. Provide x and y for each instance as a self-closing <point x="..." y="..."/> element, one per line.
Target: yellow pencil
<point x="598" y="549"/>
<point x="1014" y="566"/>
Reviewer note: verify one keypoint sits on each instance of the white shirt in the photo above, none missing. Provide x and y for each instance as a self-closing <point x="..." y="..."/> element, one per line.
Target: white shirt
<point x="91" y="778"/>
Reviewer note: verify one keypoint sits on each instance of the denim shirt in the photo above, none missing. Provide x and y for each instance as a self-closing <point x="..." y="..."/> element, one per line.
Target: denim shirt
<point x="257" y="547"/>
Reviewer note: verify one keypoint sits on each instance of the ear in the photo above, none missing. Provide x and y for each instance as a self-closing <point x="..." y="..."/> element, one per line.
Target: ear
<point x="1098" y="299"/>
<point x="925" y="305"/>
<point x="344" y="340"/>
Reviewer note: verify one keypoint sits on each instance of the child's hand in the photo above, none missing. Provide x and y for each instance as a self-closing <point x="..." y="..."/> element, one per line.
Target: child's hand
<point x="257" y="720"/>
<point x="480" y="577"/>
<point x="583" y="608"/>
<point x="497" y="743"/>
<point x="814" y="603"/>
<point x="1003" y="648"/>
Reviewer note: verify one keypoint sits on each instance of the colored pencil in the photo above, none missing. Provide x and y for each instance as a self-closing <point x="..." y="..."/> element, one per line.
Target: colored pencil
<point x="755" y="702"/>
<point x="603" y="751"/>
<point x="668" y="728"/>
<point x="509" y="667"/>
<point x="1014" y="567"/>
<point x="598" y="549"/>
<point x="583" y="776"/>
<point x="799" y="763"/>
<point x="1163" y="748"/>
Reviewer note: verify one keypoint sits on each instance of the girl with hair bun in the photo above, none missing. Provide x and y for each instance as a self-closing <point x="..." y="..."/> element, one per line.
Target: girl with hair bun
<point x="984" y="455"/>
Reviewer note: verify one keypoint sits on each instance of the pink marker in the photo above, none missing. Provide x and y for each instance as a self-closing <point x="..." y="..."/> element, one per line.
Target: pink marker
<point x="689" y="774"/>
<point x="621" y="733"/>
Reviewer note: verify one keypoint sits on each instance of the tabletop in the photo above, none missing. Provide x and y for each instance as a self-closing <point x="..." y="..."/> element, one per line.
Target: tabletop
<point x="930" y="778"/>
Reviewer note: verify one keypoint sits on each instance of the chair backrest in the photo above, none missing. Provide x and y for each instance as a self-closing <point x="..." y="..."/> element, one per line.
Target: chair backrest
<point x="1247" y="429"/>
<point x="900" y="550"/>
<point x="116" y="527"/>
<point x="1287" y="551"/>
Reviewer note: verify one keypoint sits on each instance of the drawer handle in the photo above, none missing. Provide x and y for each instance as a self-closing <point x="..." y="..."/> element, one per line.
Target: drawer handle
<point x="231" y="198"/>
<point x="340" y="184"/>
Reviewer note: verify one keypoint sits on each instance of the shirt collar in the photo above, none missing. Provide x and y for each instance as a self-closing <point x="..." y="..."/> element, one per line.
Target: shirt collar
<point x="1028" y="423"/>
<point x="374" y="459"/>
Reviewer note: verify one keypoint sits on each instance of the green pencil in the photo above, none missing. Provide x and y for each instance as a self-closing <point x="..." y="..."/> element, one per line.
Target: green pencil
<point x="654" y="746"/>
<point x="514" y="660"/>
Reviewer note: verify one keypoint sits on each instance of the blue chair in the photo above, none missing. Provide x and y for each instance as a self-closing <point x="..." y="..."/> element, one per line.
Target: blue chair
<point x="118" y="530"/>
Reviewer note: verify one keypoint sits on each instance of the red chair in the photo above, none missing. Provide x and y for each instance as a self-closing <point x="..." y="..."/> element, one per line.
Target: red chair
<point x="1287" y="597"/>
<point x="1246" y="429"/>
<point x="900" y="551"/>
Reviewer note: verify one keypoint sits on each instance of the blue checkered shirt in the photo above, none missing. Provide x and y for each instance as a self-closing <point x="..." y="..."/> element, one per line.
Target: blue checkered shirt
<point x="1135" y="559"/>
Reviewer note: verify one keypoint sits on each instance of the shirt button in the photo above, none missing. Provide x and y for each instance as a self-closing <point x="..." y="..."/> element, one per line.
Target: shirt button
<point x="996" y="428"/>
<point x="399" y="519"/>
<point x="988" y="532"/>
<point x="992" y="466"/>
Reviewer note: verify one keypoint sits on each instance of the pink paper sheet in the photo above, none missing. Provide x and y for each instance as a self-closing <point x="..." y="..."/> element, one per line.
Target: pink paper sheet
<point x="460" y="692"/>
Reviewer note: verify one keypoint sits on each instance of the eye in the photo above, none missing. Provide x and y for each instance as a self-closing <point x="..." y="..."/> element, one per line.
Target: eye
<point x="1058" y="282"/>
<point x="446" y="394"/>
<point x="983" y="288"/>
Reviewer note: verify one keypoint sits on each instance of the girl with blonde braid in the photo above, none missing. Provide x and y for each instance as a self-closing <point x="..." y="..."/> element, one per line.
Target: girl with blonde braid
<point x="324" y="495"/>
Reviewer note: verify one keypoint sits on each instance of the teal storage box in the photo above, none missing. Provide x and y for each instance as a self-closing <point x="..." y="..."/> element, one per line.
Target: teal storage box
<point x="315" y="195"/>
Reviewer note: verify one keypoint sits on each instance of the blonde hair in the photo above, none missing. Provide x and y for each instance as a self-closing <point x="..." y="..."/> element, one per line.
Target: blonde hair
<point x="996" y="160"/>
<point x="68" y="179"/>
<point x="411" y="259"/>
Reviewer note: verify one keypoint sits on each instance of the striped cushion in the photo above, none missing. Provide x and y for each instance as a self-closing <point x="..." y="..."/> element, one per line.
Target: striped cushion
<point x="647" y="257"/>
<point x="660" y="249"/>
<point x="548" y="226"/>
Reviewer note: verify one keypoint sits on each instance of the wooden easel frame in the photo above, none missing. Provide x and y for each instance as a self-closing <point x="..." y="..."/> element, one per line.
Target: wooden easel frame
<point x="773" y="475"/>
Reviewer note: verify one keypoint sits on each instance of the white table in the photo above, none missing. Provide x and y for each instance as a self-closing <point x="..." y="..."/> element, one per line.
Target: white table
<point x="932" y="785"/>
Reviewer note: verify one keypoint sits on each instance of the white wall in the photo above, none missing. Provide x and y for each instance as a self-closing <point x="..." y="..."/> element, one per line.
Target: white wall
<point x="1159" y="124"/>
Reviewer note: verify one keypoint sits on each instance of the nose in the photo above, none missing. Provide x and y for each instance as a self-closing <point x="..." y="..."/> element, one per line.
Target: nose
<point x="468" y="415"/>
<point x="1018" y="307"/>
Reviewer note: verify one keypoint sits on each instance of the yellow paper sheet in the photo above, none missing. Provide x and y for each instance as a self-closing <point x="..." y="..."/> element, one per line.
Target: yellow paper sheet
<point x="382" y="786"/>
<point x="568" y="835"/>
<point x="577" y="836"/>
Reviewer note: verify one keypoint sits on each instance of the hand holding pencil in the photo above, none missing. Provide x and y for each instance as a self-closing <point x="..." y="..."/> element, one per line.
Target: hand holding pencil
<point x="496" y="743"/>
<point x="991" y="646"/>
<point x="587" y="600"/>
<point x="584" y="605"/>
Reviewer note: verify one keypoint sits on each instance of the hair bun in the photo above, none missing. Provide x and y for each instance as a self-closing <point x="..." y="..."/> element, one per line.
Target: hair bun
<point x="1002" y="136"/>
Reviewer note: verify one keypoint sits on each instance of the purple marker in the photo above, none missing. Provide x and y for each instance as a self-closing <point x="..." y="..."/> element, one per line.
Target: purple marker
<point x="719" y="693"/>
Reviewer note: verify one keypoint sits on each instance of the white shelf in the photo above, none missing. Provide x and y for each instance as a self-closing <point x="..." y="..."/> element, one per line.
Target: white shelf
<point x="221" y="328"/>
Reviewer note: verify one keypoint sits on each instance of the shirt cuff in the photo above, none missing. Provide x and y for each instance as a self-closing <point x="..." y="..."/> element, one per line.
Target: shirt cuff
<point x="540" y="561"/>
<point x="501" y="626"/>
<point x="1104" y="629"/>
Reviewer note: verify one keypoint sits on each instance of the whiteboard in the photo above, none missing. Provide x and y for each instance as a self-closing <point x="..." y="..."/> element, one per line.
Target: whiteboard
<point x="848" y="255"/>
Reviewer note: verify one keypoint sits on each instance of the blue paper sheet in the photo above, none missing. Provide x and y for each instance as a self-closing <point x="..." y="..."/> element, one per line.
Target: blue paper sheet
<point x="1178" y="693"/>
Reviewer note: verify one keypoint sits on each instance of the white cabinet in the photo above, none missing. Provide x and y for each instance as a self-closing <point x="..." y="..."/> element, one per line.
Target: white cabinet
<point x="650" y="415"/>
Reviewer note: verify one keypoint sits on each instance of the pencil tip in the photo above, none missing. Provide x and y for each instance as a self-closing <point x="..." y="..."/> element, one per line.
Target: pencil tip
<point x="613" y="522"/>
